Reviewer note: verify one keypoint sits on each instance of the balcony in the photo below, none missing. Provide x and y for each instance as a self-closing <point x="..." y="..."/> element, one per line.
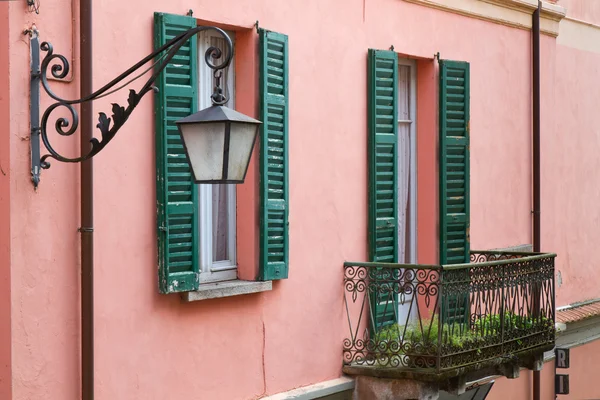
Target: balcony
<point x="440" y="323"/>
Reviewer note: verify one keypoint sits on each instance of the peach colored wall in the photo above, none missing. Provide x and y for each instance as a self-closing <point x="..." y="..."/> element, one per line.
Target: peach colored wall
<point x="150" y="346"/>
<point x="5" y="323"/>
<point x="247" y="195"/>
<point x="500" y="104"/>
<point x="522" y="387"/>
<point x="570" y="162"/>
<point x="584" y="10"/>
<point x="44" y="238"/>
<point x="427" y="177"/>
<point x="583" y="375"/>
<point x="582" y="378"/>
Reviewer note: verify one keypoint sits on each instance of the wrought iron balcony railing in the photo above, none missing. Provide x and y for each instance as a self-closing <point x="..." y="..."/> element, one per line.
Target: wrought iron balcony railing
<point x="438" y="318"/>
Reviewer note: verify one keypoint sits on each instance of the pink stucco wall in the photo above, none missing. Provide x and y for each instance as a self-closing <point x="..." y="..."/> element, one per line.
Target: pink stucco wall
<point x="582" y="378"/>
<point x="5" y="322"/>
<point x="44" y="239"/>
<point x="522" y="387"/>
<point x="150" y="346"/>
<point x="571" y="163"/>
<point x="583" y="10"/>
<point x="570" y="216"/>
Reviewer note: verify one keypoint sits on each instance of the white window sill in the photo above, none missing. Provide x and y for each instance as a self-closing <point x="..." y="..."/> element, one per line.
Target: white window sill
<point x="226" y="289"/>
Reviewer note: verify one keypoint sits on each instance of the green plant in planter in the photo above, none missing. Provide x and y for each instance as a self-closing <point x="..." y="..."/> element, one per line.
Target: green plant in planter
<point x="426" y="333"/>
<point x="491" y="324"/>
<point x="420" y="340"/>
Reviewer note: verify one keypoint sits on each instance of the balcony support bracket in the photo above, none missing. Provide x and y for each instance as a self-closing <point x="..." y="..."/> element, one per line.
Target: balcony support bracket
<point x="457" y="385"/>
<point x="535" y="362"/>
<point x="510" y="370"/>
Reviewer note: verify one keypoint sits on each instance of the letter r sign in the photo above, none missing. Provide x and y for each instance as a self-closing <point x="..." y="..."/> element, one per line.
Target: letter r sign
<point x="562" y="358"/>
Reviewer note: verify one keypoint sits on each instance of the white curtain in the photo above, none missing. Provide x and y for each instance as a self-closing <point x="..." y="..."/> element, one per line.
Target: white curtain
<point x="403" y="163"/>
<point x="219" y="193"/>
<point x="220" y="204"/>
<point x="220" y="198"/>
<point x="404" y="172"/>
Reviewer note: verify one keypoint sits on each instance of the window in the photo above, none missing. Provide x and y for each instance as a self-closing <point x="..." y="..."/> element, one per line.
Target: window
<point x="217" y="202"/>
<point x="407" y="162"/>
<point x="196" y="226"/>
<point x="407" y="172"/>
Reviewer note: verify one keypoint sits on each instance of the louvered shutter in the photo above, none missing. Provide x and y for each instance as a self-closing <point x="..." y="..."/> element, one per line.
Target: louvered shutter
<point x="383" y="174"/>
<point x="274" y="193"/>
<point x="454" y="178"/>
<point x="177" y="196"/>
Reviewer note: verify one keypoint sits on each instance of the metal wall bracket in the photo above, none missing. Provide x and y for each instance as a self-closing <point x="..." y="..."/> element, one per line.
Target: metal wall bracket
<point x="34" y="93"/>
<point x="58" y="66"/>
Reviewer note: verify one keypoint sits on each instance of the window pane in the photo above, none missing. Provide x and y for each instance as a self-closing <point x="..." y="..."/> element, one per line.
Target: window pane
<point x="220" y="222"/>
<point x="406" y="309"/>
<point x="220" y="196"/>
<point x="404" y="228"/>
<point x="404" y="172"/>
<point x="217" y="202"/>
<point x="403" y="92"/>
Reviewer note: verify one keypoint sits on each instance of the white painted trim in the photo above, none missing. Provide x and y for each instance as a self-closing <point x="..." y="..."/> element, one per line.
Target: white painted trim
<point x="579" y="35"/>
<point x="578" y="304"/>
<point x="215" y="271"/>
<point x="321" y="389"/>
<point x="513" y="13"/>
<point x="222" y="266"/>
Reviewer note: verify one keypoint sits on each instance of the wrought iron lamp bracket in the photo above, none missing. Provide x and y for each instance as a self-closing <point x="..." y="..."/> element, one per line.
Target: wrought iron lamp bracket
<point x="59" y="68"/>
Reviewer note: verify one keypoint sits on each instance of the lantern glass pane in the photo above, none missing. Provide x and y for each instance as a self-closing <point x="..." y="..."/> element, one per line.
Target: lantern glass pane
<point x="204" y="144"/>
<point x="240" y="149"/>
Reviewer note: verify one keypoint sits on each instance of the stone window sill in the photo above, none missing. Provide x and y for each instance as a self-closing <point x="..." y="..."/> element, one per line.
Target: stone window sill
<point x="226" y="289"/>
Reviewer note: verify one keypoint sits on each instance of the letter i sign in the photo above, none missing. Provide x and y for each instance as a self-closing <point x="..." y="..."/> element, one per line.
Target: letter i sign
<point x="561" y="381"/>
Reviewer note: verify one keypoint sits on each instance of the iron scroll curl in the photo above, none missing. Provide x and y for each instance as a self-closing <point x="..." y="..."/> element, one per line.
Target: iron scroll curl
<point x="58" y="67"/>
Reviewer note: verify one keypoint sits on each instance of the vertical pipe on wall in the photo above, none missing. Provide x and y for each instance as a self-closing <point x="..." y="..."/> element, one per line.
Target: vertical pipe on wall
<point x="536" y="159"/>
<point x="87" y="206"/>
<point x="536" y="129"/>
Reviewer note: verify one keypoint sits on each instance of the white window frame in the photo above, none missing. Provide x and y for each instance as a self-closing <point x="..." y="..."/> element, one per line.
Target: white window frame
<point x="215" y="271"/>
<point x="412" y="217"/>
<point x="413" y="156"/>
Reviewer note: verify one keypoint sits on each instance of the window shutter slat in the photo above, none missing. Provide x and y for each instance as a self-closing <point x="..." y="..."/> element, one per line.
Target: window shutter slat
<point x="176" y="193"/>
<point x="454" y="177"/>
<point x="383" y="174"/>
<point x="274" y="192"/>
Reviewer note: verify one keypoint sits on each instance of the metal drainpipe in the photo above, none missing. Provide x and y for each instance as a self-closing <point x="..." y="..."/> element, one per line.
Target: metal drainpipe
<point x="536" y="156"/>
<point x="87" y="205"/>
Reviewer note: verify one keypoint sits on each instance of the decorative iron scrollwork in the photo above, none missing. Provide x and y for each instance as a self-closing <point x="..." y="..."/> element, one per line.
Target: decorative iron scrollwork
<point x="58" y="66"/>
<point x="400" y="316"/>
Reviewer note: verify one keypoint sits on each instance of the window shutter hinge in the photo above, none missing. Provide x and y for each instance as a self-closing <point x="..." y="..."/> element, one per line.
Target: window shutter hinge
<point x="163" y="228"/>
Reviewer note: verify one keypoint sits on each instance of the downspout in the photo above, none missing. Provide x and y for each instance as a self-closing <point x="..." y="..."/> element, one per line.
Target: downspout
<point x="87" y="205"/>
<point x="536" y="157"/>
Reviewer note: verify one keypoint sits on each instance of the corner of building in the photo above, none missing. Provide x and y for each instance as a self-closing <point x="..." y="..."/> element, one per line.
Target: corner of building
<point x="5" y="320"/>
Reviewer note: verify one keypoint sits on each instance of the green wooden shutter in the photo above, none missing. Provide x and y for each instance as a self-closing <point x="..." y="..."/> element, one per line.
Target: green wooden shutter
<point x="274" y="192"/>
<point x="176" y="193"/>
<point x="454" y="177"/>
<point x="383" y="174"/>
